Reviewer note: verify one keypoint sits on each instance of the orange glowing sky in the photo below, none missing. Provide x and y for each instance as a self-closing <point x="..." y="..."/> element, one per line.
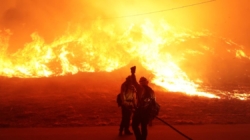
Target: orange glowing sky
<point x="230" y="19"/>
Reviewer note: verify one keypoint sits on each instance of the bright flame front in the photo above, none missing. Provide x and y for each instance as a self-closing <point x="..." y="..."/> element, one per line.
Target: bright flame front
<point x="159" y="47"/>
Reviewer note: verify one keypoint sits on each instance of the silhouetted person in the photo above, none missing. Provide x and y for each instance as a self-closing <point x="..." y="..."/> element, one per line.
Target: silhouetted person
<point x="128" y="105"/>
<point x="145" y="96"/>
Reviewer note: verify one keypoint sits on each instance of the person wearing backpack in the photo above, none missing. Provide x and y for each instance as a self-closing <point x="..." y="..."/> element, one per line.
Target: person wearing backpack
<point x="143" y="113"/>
<point x="127" y="98"/>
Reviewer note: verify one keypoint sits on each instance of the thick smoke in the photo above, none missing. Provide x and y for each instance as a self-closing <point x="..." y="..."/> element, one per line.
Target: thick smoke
<point x="47" y="18"/>
<point x="50" y="18"/>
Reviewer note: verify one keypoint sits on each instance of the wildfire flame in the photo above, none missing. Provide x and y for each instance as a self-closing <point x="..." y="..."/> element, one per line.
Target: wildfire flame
<point x="107" y="48"/>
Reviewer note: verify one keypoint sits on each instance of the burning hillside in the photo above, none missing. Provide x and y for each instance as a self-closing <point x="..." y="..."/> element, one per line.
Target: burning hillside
<point x="62" y="62"/>
<point x="196" y="62"/>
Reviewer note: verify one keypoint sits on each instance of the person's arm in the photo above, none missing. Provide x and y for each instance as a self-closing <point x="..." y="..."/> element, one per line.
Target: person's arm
<point x="153" y="95"/>
<point x="135" y="99"/>
<point x="122" y="94"/>
<point x="135" y="83"/>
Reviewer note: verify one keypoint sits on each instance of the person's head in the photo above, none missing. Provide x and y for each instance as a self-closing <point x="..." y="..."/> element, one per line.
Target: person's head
<point x="143" y="81"/>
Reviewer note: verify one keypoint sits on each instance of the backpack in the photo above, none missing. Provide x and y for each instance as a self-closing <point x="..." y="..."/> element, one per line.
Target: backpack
<point x="153" y="107"/>
<point x="119" y="100"/>
<point x="154" y="110"/>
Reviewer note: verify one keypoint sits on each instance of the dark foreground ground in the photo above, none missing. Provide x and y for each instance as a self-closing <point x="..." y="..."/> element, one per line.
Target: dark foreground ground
<point x="72" y="109"/>
<point x="156" y="132"/>
<point x="85" y="100"/>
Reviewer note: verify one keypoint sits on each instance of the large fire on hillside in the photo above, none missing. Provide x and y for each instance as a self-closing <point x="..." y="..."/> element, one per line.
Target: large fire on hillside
<point x="178" y="59"/>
